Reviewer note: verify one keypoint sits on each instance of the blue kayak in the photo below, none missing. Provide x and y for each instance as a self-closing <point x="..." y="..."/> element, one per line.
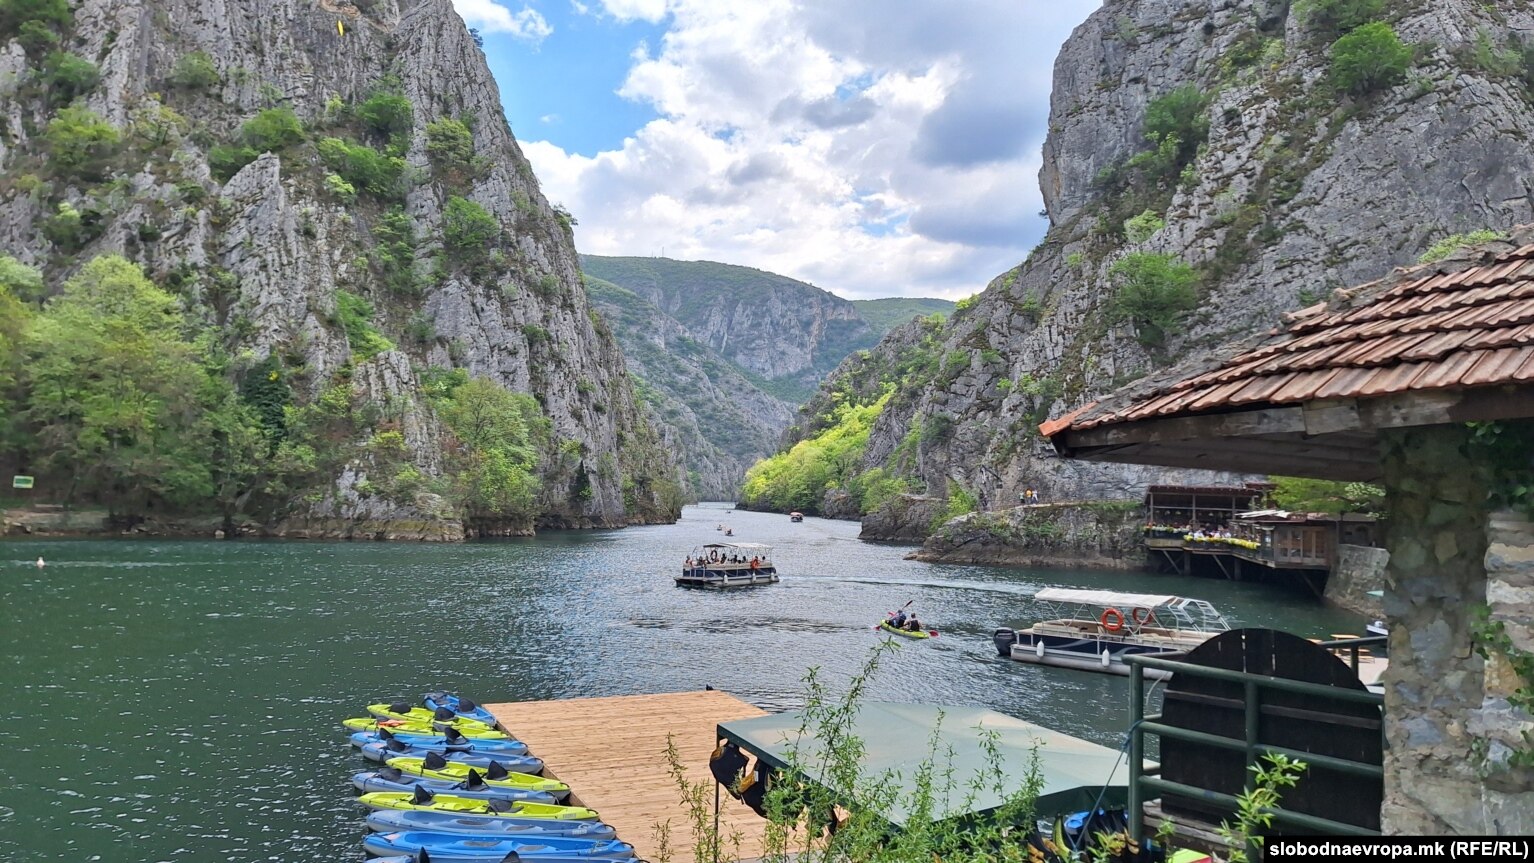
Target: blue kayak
<point x="402" y="820"/>
<point x="447" y="846"/>
<point x="459" y="705"/>
<point x="390" y="779"/>
<point x="384" y="750"/>
<point x="452" y="741"/>
<point x="422" y="857"/>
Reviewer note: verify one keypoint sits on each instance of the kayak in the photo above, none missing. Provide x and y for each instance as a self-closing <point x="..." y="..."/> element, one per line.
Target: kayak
<point x="438" y="717"/>
<point x="459" y="705"/>
<point x="905" y="633"/>
<point x="451" y="742"/>
<point x="386" y="820"/>
<point x="447" y="846"/>
<point x="426" y="801"/>
<point x="383" y="751"/>
<point x="391" y="779"/>
<point x="471" y="730"/>
<point x="424" y="857"/>
<point x="434" y="766"/>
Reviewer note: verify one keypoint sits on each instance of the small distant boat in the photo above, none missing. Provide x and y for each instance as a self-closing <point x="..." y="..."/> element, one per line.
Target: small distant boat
<point x="796" y="516"/>
<point x="1377" y="628"/>
<point x="729" y="564"/>
<point x="1093" y="630"/>
<point x="729" y="531"/>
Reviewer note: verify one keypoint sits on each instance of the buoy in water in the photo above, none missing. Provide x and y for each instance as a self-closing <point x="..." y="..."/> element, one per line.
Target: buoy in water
<point x="40" y="562"/>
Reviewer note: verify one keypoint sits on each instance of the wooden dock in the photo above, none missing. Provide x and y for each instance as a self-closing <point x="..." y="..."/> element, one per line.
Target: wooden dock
<point x="612" y="754"/>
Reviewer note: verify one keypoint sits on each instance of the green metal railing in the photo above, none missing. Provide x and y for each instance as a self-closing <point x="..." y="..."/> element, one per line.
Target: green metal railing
<point x="1145" y="783"/>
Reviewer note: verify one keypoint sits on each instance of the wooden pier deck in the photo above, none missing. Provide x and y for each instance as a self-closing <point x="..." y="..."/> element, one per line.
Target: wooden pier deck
<point x="612" y="754"/>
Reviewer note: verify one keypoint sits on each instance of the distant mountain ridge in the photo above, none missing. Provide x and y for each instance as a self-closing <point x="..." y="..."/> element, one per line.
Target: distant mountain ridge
<point x="723" y="355"/>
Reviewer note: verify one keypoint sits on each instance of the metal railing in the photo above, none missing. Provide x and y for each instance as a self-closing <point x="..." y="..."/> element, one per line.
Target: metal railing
<point x="1146" y="783"/>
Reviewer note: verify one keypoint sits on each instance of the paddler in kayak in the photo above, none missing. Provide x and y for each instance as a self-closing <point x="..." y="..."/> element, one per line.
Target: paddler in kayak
<point x="898" y="621"/>
<point x="912" y="624"/>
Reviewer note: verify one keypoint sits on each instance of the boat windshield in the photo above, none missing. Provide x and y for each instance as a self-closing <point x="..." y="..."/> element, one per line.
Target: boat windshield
<point x="1137" y="609"/>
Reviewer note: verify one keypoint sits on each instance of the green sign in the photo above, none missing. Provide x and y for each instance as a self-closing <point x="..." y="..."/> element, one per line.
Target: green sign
<point x="21" y="482"/>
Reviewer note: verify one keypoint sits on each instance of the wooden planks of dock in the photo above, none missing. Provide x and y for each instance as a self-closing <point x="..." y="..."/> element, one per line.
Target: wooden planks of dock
<point x="612" y="754"/>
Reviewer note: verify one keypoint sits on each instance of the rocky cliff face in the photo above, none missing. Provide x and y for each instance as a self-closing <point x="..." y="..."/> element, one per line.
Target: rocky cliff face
<point x="263" y="253"/>
<point x="1298" y="187"/>
<point x="705" y="408"/>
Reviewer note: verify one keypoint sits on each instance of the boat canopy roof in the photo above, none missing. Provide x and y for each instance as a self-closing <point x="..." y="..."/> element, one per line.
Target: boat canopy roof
<point x="741" y="546"/>
<point x="1104" y="597"/>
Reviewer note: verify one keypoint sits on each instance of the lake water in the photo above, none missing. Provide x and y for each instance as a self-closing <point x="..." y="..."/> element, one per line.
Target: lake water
<point x="179" y="700"/>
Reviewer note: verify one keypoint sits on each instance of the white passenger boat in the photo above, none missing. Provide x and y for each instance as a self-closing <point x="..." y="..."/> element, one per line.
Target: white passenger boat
<point x="1093" y="630"/>
<point x="728" y="564"/>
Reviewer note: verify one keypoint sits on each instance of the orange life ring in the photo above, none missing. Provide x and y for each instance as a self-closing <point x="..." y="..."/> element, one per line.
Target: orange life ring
<point x="1118" y="619"/>
<point x="1149" y="616"/>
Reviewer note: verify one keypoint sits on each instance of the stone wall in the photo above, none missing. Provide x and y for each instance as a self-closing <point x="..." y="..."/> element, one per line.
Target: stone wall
<point x="1104" y="534"/>
<point x="1449" y="727"/>
<point x="902" y="518"/>
<point x="1358" y="570"/>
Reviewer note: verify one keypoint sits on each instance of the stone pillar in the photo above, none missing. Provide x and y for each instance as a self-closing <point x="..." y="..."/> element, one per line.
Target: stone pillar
<point x="1436" y="498"/>
<point x="1502" y="730"/>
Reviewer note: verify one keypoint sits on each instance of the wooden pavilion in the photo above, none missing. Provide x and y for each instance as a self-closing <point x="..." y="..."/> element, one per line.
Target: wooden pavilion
<point x="1422" y="382"/>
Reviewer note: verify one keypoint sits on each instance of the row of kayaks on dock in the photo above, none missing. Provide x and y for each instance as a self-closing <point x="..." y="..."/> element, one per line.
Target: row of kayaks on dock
<point x="454" y="785"/>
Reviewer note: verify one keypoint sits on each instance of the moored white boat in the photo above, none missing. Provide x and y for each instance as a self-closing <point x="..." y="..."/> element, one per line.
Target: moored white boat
<point x="729" y="564"/>
<point x="1093" y="630"/>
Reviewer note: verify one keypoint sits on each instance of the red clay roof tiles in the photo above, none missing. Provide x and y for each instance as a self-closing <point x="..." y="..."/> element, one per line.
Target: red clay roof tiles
<point x="1466" y="322"/>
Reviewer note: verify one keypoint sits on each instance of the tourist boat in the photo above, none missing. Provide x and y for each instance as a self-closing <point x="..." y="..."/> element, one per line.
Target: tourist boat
<point x="1093" y="630"/>
<point x="796" y="516"/>
<point x="728" y="564"/>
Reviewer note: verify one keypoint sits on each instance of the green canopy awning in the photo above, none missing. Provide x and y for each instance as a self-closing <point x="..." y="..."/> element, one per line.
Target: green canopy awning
<point x="897" y="738"/>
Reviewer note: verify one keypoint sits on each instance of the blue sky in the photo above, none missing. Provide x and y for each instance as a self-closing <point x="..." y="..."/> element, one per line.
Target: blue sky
<point x="870" y="147"/>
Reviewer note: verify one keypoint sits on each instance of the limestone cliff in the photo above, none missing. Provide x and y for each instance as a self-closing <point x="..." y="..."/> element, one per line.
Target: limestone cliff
<point x="273" y="248"/>
<point x="1216" y="148"/>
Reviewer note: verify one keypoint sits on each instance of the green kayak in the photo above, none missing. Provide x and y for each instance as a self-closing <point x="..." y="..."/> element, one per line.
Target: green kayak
<point x="476" y="731"/>
<point x="907" y="633"/>
<point x="474" y="806"/>
<point x="440" y="718"/>
<point x="436" y="767"/>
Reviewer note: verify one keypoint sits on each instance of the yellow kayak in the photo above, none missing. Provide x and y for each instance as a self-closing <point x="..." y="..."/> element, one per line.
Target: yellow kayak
<point x="434" y="766"/>
<point x="424" y="801"/>
<point x="475" y="730"/>
<point x="440" y="718"/>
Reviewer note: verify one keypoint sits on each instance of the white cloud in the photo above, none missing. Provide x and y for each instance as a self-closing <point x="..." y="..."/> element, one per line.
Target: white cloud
<point x="872" y="147"/>
<point x="493" y="17"/>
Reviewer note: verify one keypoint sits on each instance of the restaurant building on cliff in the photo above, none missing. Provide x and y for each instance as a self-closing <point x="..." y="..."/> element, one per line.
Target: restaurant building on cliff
<point x="1421" y="382"/>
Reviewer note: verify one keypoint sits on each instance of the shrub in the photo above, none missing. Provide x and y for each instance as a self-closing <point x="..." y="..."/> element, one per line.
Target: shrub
<point x="68" y="75"/>
<point x="36" y="38"/>
<point x="356" y="316"/>
<point x="1153" y="292"/>
<point x="15" y="14"/>
<point x="395" y="252"/>
<point x="80" y="142"/>
<point x="364" y="167"/>
<point x="1142" y="227"/>
<point x="195" y="71"/>
<point x="1332" y="18"/>
<point x="226" y="160"/>
<point x="1454" y="242"/>
<point x="67" y="229"/>
<point x="467" y="228"/>
<point x="1368" y="59"/>
<point x="272" y="130"/>
<point x="1177" y="124"/>
<point x="388" y="113"/>
<point x="450" y="147"/>
<point x="337" y="185"/>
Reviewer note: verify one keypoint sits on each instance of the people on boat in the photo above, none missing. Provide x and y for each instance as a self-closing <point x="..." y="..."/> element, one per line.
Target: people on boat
<point x="755" y="564"/>
<point x="899" y="619"/>
<point x="687" y="564"/>
<point x="913" y="625"/>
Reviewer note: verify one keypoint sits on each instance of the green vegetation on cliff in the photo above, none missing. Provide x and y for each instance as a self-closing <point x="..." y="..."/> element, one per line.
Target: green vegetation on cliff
<point x="114" y="396"/>
<point x="833" y="459"/>
<point x="886" y="314"/>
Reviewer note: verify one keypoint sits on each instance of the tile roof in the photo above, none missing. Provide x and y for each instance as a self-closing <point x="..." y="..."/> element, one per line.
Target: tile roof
<point x="1467" y="321"/>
